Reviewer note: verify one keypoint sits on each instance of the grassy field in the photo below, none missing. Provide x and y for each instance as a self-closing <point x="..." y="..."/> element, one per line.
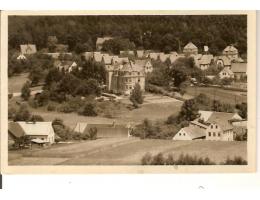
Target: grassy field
<point x="124" y="151"/>
<point x="151" y="111"/>
<point x="226" y="96"/>
<point x="15" y="83"/>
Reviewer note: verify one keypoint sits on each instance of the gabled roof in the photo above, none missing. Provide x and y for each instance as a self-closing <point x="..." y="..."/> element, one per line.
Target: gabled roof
<point x="223" y="119"/>
<point x="206" y="59"/>
<point x="80" y="127"/>
<point x="194" y="132"/>
<point x="97" y="57"/>
<point x="107" y="59"/>
<point x="30" y="128"/>
<point x="28" y="48"/>
<point x="163" y="57"/>
<point x="88" y="55"/>
<point x="230" y="49"/>
<point x="190" y="46"/>
<point x="205" y="115"/>
<point x="239" y="67"/>
<point x="21" y="57"/>
<point x="101" y="40"/>
<point x="140" y="53"/>
<point x="225" y="59"/>
<point x="227" y="70"/>
<point x="154" y="56"/>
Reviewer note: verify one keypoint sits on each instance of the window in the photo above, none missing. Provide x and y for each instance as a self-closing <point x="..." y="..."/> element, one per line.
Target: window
<point x="214" y="134"/>
<point x="183" y="134"/>
<point x="179" y="134"/>
<point x="211" y="126"/>
<point x="209" y="134"/>
<point x="130" y="87"/>
<point x="219" y="134"/>
<point x="138" y="80"/>
<point x="138" y="73"/>
<point x="216" y="126"/>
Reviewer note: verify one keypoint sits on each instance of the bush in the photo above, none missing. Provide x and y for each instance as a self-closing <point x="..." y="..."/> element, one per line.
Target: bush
<point x="36" y="118"/>
<point x="88" y="110"/>
<point x="25" y="91"/>
<point x="22" y="114"/>
<point x="136" y="96"/>
<point x="159" y="159"/>
<point x="237" y="160"/>
<point x="92" y="133"/>
<point x="51" y="107"/>
<point x="147" y="159"/>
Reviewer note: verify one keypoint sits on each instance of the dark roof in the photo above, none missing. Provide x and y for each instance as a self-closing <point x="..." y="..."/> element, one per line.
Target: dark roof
<point x="15" y="129"/>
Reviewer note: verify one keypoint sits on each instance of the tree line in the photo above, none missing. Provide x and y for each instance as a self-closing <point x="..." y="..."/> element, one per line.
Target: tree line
<point x="164" y="33"/>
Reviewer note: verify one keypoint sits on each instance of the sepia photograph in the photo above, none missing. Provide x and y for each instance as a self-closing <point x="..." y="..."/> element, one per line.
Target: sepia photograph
<point x="130" y="89"/>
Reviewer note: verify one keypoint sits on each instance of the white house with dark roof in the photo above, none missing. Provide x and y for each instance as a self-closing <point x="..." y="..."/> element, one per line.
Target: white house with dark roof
<point x="226" y="73"/>
<point x="38" y="132"/>
<point x="190" y="133"/>
<point x="231" y="52"/>
<point x="27" y="49"/>
<point x="190" y="49"/>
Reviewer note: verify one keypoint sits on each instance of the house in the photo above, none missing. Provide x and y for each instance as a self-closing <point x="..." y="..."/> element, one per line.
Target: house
<point x="190" y="133"/>
<point x="190" y="49"/>
<point x="21" y="57"/>
<point x="223" y="61"/>
<point x="219" y="124"/>
<point x="106" y="130"/>
<point x="107" y="59"/>
<point x="231" y="52"/>
<point x="88" y="55"/>
<point x="145" y="64"/>
<point x="39" y="132"/>
<point x="205" y="61"/>
<point x="27" y="49"/>
<point x="120" y="60"/>
<point x="121" y="78"/>
<point x="173" y="56"/>
<point x="97" y="56"/>
<point x="216" y="125"/>
<point x="154" y="55"/>
<point x="65" y="65"/>
<point x="163" y="57"/>
<point x="139" y="53"/>
<point x="239" y="70"/>
<point x="100" y="41"/>
<point x="226" y="73"/>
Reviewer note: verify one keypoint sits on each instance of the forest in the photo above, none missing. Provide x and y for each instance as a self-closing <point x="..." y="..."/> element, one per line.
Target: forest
<point x="162" y="33"/>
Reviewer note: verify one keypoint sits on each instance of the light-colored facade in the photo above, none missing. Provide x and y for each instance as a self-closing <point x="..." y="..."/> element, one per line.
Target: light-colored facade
<point x="122" y="78"/>
<point x="217" y="133"/>
<point x="145" y="64"/>
<point x="190" y="49"/>
<point x="231" y="52"/>
<point x="39" y="132"/>
<point x="226" y="73"/>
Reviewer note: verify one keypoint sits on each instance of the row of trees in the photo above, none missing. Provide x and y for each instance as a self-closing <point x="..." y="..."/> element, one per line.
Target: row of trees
<point x="164" y="32"/>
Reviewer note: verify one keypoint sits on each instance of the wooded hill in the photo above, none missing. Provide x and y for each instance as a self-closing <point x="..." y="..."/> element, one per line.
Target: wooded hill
<point x="163" y="33"/>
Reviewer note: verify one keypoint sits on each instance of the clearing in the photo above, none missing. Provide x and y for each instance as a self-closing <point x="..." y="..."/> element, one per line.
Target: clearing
<point x="124" y="151"/>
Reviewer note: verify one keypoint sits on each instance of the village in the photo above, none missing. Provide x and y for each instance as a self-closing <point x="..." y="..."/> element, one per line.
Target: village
<point x="129" y="101"/>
